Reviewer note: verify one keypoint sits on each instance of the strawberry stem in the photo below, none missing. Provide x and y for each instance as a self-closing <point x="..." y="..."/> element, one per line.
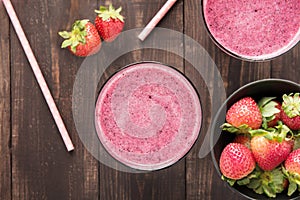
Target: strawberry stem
<point x="278" y="133"/>
<point x="268" y="109"/>
<point x="75" y="36"/>
<point x="110" y="13"/>
<point x="291" y="104"/>
<point x="268" y="182"/>
<point x="242" y="129"/>
<point x="294" y="180"/>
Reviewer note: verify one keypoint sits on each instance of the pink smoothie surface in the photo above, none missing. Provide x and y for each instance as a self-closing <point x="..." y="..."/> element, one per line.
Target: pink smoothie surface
<point x="254" y="28"/>
<point x="148" y="116"/>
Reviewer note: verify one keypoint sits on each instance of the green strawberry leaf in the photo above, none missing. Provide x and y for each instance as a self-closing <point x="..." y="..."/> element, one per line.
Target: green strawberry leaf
<point x="76" y="36"/>
<point x="254" y="183"/>
<point x="252" y="180"/>
<point x="284" y="171"/>
<point x="255" y="173"/>
<point x="242" y="129"/>
<point x="106" y="13"/>
<point x="297" y="179"/>
<point x="268" y="182"/>
<point x="294" y="181"/>
<point x="264" y="123"/>
<point x="259" y="190"/>
<point x="119" y="10"/>
<point x="102" y="9"/>
<point x="66" y="43"/>
<point x="292" y="188"/>
<point x="231" y="182"/>
<point x="291" y="104"/>
<point x="282" y="132"/>
<point x="270" y="109"/>
<point x="64" y="34"/>
<point x="229" y="128"/>
<point x="269" y="191"/>
<point x="278" y="133"/>
<point x="243" y="181"/>
<point x="266" y="120"/>
<point x="263" y="101"/>
<point x="260" y="132"/>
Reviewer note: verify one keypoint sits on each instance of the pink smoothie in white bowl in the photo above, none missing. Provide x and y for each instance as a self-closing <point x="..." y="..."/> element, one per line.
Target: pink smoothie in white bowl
<point x="148" y="116"/>
<point x="253" y="29"/>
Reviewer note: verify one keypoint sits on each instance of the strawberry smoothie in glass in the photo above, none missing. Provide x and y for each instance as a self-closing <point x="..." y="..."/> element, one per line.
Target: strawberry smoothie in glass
<point x="148" y="116"/>
<point x="253" y="30"/>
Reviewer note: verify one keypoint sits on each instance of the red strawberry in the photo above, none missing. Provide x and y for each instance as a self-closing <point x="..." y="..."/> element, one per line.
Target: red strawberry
<point x="243" y="139"/>
<point x="292" y="163"/>
<point x="292" y="171"/>
<point x="270" y="153"/>
<point x="270" y="110"/>
<point x="244" y="111"/>
<point x="109" y="22"/>
<point x="291" y="111"/>
<point x="83" y="40"/>
<point x="236" y="161"/>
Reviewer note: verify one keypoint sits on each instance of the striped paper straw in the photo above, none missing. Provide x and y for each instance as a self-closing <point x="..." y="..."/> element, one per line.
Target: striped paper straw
<point x="154" y="21"/>
<point x="38" y="74"/>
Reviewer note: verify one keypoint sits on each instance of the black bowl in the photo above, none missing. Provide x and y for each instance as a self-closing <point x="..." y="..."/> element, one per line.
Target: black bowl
<point x="257" y="89"/>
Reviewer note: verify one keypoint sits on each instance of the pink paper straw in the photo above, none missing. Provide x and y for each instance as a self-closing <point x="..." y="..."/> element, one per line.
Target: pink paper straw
<point x="38" y="74"/>
<point x="151" y="25"/>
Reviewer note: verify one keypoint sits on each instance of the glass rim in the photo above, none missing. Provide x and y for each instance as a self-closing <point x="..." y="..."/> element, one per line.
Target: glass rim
<point x="265" y="57"/>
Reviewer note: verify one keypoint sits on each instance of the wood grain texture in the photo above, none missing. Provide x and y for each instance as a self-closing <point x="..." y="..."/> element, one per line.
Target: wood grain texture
<point x="202" y="180"/>
<point x="37" y="148"/>
<point x="5" y="116"/>
<point x="200" y="177"/>
<point x="35" y="163"/>
<point x="288" y="65"/>
<point x="81" y="171"/>
<point x="167" y="183"/>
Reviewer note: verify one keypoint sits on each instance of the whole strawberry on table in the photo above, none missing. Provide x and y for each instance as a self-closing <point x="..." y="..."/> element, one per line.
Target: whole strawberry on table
<point x="265" y="153"/>
<point x="83" y="40"/>
<point x="109" y="22"/>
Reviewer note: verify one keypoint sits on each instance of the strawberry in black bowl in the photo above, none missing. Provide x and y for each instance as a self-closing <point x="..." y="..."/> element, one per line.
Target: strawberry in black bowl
<point x="255" y="136"/>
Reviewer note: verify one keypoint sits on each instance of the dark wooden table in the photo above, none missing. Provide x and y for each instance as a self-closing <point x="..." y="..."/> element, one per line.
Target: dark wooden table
<point x="34" y="161"/>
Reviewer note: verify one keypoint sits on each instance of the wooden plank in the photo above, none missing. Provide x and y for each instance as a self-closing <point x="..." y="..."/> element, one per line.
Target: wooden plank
<point x="202" y="180"/>
<point x="287" y="65"/>
<point x="200" y="173"/>
<point x="82" y="169"/>
<point x="167" y="183"/>
<point x="5" y="128"/>
<point x="42" y="168"/>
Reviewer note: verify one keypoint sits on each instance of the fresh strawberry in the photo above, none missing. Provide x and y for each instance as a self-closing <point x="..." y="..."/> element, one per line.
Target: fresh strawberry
<point x="270" y="110"/>
<point x="83" y="40"/>
<point x="292" y="163"/>
<point x="291" y="111"/>
<point x="292" y="171"/>
<point x="243" y="139"/>
<point x="109" y="22"/>
<point x="270" y="153"/>
<point x="236" y="161"/>
<point x="244" y="112"/>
